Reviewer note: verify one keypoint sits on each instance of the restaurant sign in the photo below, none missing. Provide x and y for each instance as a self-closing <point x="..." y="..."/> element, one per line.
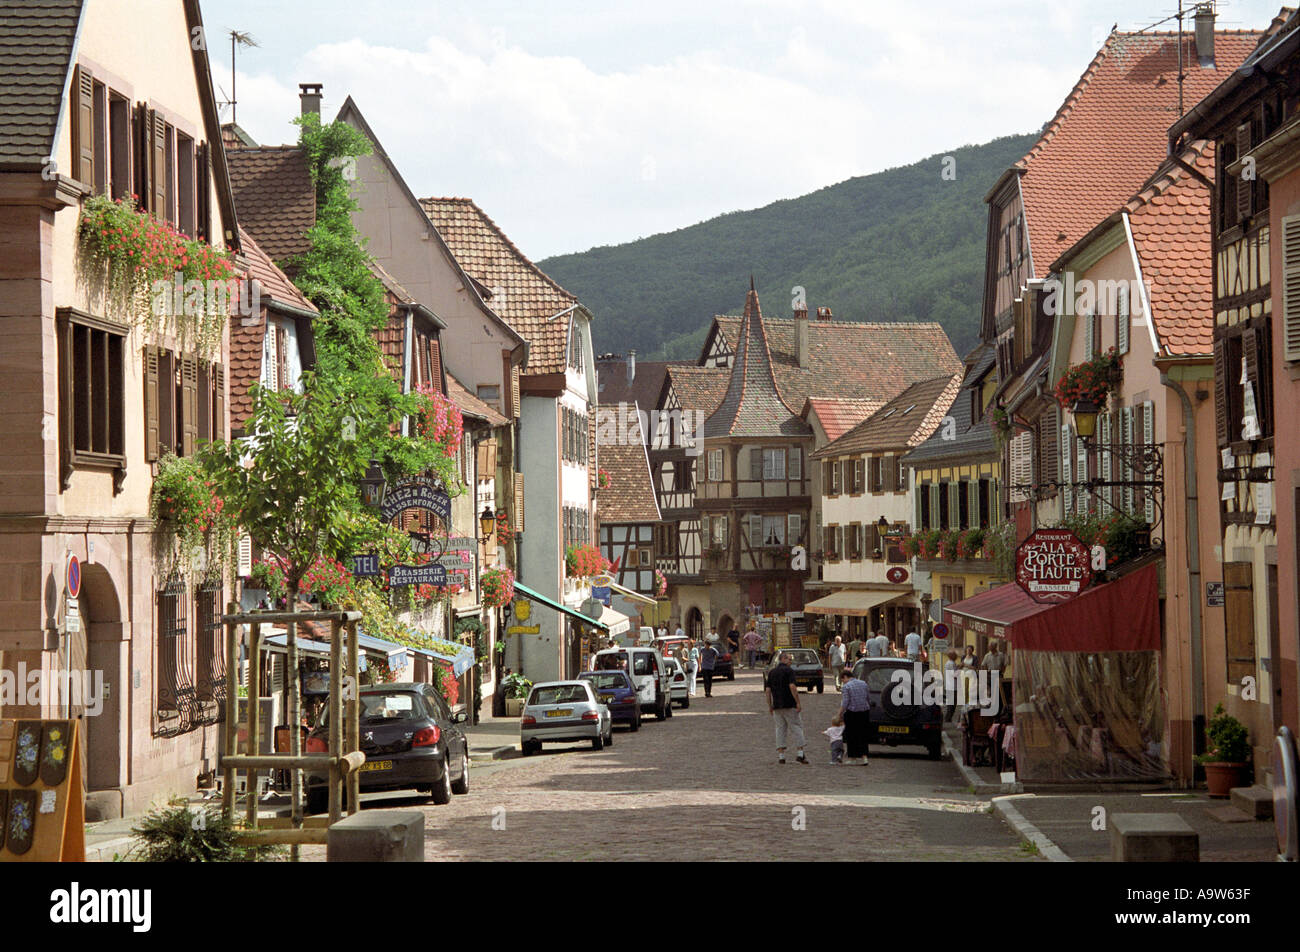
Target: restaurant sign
<point x="1053" y="566"/>
<point x="416" y="492"/>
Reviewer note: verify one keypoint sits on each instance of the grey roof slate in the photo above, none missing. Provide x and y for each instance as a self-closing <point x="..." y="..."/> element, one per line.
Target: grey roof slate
<point x="975" y="442"/>
<point x="36" y="44"/>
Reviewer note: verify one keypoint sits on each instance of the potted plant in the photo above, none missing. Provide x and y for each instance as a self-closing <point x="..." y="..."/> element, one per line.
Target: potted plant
<point x="1091" y="381"/>
<point x="1226" y="763"/>
<point x="516" y="688"/>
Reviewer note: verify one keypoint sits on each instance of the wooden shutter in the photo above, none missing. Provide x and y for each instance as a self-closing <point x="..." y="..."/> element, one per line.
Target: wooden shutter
<point x="1221" y="412"/>
<point x="151" y="400"/>
<point x="142" y="128"/>
<point x="189" y="403"/>
<point x="888" y="474"/>
<point x="1067" y="470"/>
<point x="218" y="402"/>
<point x="514" y="391"/>
<point x="519" y="503"/>
<point x="916" y="505"/>
<point x="795" y="469"/>
<point x="1106" y="457"/>
<point x="755" y="463"/>
<point x="158" y="166"/>
<point x="954" y="505"/>
<point x="1126" y="440"/>
<point x="1084" y="502"/>
<point x="755" y="531"/>
<point x="507" y="380"/>
<point x="1243" y="184"/>
<point x="1239" y="618"/>
<point x="282" y="357"/>
<point x="1254" y="347"/>
<point x="167" y="391"/>
<point x="1148" y="438"/>
<point x="934" y="506"/>
<point x="723" y="528"/>
<point x="1050" y="455"/>
<point x="1122" y="322"/>
<point x="1089" y="334"/>
<point x="973" y="504"/>
<point x="1291" y="287"/>
<point x="203" y="202"/>
<point x="83" y="126"/>
<point x="793" y="529"/>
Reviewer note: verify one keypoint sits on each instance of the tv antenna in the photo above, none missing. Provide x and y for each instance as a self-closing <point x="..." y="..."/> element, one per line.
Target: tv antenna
<point x="237" y="39"/>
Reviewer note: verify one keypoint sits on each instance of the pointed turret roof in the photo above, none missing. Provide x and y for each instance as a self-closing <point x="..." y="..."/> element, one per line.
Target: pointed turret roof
<point x="753" y="406"/>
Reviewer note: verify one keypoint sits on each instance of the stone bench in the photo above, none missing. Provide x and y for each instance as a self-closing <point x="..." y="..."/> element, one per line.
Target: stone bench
<point x="377" y="836"/>
<point x="1255" y="802"/>
<point x="1152" y="838"/>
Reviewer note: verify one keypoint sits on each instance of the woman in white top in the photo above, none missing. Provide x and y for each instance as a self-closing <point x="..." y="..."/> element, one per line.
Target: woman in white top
<point x="693" y="664"/>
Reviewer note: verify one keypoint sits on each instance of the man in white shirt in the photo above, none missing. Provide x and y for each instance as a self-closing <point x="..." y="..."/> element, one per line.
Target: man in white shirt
<point x="913" y="644"/>
<point x="681" y="633"/>
<point x="874" y="649"/>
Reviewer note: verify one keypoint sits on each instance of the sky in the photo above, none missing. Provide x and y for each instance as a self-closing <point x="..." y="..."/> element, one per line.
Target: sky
<point x="577" y="124"/>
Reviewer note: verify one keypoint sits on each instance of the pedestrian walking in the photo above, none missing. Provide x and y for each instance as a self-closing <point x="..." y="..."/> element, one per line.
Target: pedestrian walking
<point x="875" y="648"/>
<point x="663" y="631"/>
<point x="784" y="705"/>
<point x="733" y="645"/>
<point x="913" y="645"/>
<point x="950" y="684"/>
<point x="855" y="708"/>
<point x="708" y="658"/>
<point x="693" y="662"/>
<point x="835" y="733"/>
<point x="995" y="662"/>
<point x="751" y="646"/>
<point x="836" y="653"/>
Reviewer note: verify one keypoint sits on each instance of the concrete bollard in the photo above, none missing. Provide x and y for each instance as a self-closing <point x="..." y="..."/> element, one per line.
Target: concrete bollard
<point x="377" y="836"/>
<point x="1152" y="838"/>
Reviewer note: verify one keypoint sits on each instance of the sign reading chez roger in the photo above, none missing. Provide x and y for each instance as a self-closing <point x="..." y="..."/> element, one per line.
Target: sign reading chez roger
<point x="416" y="492"/>
<point x="1053" y="566"/>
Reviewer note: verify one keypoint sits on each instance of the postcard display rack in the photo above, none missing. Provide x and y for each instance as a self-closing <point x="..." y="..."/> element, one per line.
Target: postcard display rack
<point x="42" y="797"/>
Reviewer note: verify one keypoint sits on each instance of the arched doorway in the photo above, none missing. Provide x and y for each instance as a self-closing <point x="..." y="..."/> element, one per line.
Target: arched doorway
<point x="694" y="623"/>
<point x="94" y="658"/>
<point x="725" y="624"/>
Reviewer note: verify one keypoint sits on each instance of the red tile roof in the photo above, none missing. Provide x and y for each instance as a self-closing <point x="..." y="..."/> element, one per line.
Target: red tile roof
<point x="470" y="405"/>
<point x="1111" y="132"/>
<point x="274" y="197"/>
<point x="630" y="496"/>
<point x="906" y="421"/>
<point x="522" y="294"/>
<point x="837" y="416"/>
<point x="272" y="280"/>
<point x="1170" y="219"/>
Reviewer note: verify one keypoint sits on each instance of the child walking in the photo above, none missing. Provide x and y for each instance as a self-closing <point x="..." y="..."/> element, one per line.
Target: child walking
<point x="836" y="734"/>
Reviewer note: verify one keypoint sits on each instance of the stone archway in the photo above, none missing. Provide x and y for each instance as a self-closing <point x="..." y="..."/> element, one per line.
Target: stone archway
<point x="694" y="623"/>
<point x="97" y="655"/>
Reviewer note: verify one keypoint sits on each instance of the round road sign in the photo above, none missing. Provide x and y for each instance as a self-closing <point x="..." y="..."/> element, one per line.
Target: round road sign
<point x="74" y="576"/>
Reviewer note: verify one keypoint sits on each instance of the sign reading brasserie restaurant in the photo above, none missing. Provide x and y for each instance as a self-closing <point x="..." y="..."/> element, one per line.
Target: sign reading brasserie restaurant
<point x="1053" y="566"/>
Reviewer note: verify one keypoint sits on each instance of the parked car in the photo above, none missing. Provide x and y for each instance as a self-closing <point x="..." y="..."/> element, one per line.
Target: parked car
<point x="899" y="720"/>
<point x="680" y="685"/>
<point x="807" y="667"/>
<point x="411" y="739"/>
<point x="616" y="691"/>
<point x="564" y="711"/>
<point x="648" y="672"/>
<point x="670" y="646"/>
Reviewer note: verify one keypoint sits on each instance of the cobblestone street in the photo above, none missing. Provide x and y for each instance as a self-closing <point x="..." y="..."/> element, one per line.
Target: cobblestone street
<point x="705" y="785"/>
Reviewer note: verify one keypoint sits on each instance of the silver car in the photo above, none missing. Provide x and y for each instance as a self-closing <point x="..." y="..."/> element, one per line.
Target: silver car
<point x="680" y="685"/>
<point x="564" y="711"/>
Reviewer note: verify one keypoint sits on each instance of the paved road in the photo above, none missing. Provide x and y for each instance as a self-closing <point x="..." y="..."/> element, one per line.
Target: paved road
<point x="705" y="785"/>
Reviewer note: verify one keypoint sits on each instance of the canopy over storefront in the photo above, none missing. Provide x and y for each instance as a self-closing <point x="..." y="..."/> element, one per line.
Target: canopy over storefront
<point x="521" y="589"/>
<point x="630" y="595"/>
<point x="615" y="622"/>
<point x="856" y="602"/>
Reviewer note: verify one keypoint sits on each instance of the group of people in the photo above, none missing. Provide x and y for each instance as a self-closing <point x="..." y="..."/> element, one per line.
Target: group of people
<point x="849" y="728"/>
<point x="874" y="646"/>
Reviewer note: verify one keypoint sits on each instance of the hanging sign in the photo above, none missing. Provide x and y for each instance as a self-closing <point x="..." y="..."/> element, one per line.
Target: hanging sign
<point x="1053" y="566"/>
<point x="418" y="492"/>
<point x="431" y="574"/>
<point x="366" y="566"/>
<point x="897" y="575"/>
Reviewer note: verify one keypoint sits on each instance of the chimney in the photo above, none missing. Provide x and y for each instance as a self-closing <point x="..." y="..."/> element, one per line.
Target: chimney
<point x="801" y="330"/>
<point x="1205" y="35"/>
<point x="631" y="366"/>
<point x="309" y="95"/>
<point x="824" y="314"/>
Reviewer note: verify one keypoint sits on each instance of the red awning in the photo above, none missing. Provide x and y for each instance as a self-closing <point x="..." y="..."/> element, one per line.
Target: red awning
<point x="1123" y="615"/>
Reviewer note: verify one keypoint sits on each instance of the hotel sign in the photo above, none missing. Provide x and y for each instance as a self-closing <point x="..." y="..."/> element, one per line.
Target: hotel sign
<point x="1053" y="566"/>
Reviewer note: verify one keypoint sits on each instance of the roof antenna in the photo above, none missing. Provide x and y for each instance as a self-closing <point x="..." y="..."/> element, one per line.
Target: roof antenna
<point x="236" y="39"/>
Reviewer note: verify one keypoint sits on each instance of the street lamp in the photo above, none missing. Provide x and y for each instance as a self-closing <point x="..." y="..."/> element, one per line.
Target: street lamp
<point x="486" y="523"/>
<point x="1085" y="417"/>
<point x="883" y="523"/>
<point x="373" y="485"/>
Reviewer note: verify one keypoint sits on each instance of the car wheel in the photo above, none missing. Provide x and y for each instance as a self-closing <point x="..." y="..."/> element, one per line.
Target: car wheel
<point x="731" y="675"/>
<point x="528" y="748"/>
<point x="935" y="751"/>
<point x="609" y="735"/>
<point x="636" y="722"/>
<point x="318" y="799"/>
<point x="686" y="702"/>
<point x="661" y="710"/>
<point x="462" y="785"/>
<point x="442" y="788"/>
<point x="598" y="742"/>
<point x="668" y="706"/>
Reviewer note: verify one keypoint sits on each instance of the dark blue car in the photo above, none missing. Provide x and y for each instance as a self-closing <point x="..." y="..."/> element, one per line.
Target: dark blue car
<point x="615" y="690"/>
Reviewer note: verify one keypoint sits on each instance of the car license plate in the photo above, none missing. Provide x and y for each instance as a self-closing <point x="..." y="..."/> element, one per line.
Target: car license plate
<point x="893" y="730"/>
<point x="377" y="765"/>
<point x="562" y="712"/>
<point x="607" y="699"/>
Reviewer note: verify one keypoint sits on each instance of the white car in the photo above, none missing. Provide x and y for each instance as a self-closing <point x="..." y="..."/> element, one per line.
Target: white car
<point x="649" y="675"/>
<point x="681" y="686"/>
<point x="564" y="711"/>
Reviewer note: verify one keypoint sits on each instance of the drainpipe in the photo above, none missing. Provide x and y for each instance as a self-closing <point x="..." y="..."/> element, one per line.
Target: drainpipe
<point x="1194" y="562"/>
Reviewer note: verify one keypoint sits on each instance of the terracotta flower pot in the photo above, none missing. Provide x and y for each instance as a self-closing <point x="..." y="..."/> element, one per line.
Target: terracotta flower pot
<point x="1222" y="777"/>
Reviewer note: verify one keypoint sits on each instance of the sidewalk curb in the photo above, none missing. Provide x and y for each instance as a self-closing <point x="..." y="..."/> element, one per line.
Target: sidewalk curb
<point x="103" y="852"/>
<point x="1007" y="810"/>
<point x="982" y="788"/>
<point x="504" y="752"/>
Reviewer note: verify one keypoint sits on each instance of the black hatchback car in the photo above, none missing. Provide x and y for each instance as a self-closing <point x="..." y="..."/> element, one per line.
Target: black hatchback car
<point x="806" y="665"/>
<point x="411" y="739"/>
<point x="899" y="714"/>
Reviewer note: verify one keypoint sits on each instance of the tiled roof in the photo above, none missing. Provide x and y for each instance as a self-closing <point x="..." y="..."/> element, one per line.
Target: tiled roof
<point x="1170" y="219"/>
<point x="470" y="405"/>
<point x="392" y="341"/>
<point x="699" y="388"/>
<point x="837" y="416"/>
<point x="613" y="386"/>
<point x="907" y="420"/>
<point x="526" y="298"/>
<point x="234" y="136"/>
<point x="967" y="441"/>
<point x="752" y="405"/>
<point x="850" y="360"/>
<point x="1111" y="132"/>
<point x="246" y="339"/>
<point x="274" y="197"/>
<point x="36" y="40"/>
<point x="630" y="496"/>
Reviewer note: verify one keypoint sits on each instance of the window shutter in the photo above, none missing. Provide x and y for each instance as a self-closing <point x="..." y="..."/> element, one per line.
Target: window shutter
<point x="83" y="126"/>
<point x="827" y="488"/>
<point x="793" y="529"/>
<point x="1089" y="334"/>
<point x="916" y="505"/>
<point x="1122" y="322"/>
<point x="1291" y="287"/>
<point x="245" y="562"/>
<point x="158" y="161"/>
<point x="143" y="127"/>
<point x="973" y="503"/>
<point x="724" y="532"/>
<point x="519" y="503"/>
<point x="1067" y="471"/>
<point x="1220" y="391"/>
<point x="1254" y="346"/>
<point x="995" y="503"/>
<point x="1149" y="438"/>
<point x="934" y="506"/>
<point x="202" y="177"/>
<point x="1126" y="441"/>
<point x="795" y="470"/>
<point x="755" y="531"/>
<point x="1084" y="502"/>
<point x="151" y="451"/>
<point x="218" y="402"/>
<point x="954" y="505"/>
<point x="514" y="391"/>
<point x="755" y="463"/>
<point x="1103" y="436"/>
<point x="507" y="379"/>
<point x="1243" y="184"/>
<point x="1051" y="454"/>
<point x="189" y="403"/>
<point x="282" y="357"/>
<point x="888" y="474"/>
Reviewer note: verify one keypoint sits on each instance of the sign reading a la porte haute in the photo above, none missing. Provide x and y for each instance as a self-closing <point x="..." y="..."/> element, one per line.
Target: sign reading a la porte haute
<point x="1053" y="566"/>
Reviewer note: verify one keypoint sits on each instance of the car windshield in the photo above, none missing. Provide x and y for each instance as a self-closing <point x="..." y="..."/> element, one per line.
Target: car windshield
<point x="390" y="706"/>
<point x="607" y="680"/>
<point x="614" y="661"/>
<point x="879" y="676"/>
<point x="804" y="657"/>
<point x="559" y="694"/>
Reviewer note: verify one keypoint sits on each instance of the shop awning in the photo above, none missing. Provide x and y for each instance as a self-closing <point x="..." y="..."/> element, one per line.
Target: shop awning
<point x="306" y="646"/>
<point x="1123" y="615"/>
<point x="630" y="595"/>
<point x="615" y="621"/>
<point x="857" y="602"/>
<point x="562" y="609"/>
<point x="460" y="662"/>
